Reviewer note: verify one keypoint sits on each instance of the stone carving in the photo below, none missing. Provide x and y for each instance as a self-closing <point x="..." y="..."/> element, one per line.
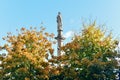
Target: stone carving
<point x="59" y="21"/>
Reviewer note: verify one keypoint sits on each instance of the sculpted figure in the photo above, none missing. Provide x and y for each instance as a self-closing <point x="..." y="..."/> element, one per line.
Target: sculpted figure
<point x="59" y="21"/>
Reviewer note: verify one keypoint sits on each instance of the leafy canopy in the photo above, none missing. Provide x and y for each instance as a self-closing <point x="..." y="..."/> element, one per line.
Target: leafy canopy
<point x="27" y="55"/>
<point x="91" y="55"/>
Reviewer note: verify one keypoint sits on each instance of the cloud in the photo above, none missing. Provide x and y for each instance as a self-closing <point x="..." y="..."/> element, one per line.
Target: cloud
<point x="119" y="45"/>
<point x="72" y="21"/>
<point x="68" y="34"/>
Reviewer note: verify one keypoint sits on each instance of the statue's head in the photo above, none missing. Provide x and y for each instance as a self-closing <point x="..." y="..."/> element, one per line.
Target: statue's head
<point x="59" y="13"/>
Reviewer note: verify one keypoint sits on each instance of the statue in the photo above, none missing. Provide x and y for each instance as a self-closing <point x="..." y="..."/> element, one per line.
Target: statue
<point x="59" y="21"/>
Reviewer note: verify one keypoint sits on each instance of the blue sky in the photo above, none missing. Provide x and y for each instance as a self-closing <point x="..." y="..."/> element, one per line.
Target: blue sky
<point x="15" y="14"/>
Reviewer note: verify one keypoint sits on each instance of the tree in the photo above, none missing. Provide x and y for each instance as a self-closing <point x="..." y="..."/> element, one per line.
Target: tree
<point x="27" y="55"/>
<point x="90" y="55"/>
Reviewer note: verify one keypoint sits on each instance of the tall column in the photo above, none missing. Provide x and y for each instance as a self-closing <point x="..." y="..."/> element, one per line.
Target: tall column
<point x="59" y="37"/>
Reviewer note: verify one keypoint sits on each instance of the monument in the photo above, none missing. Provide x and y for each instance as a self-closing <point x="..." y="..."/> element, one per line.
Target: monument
<point x="59" y="37"/>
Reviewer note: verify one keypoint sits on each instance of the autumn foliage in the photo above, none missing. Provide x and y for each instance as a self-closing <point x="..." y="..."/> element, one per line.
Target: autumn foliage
<point x="91" y="55"/>
<point x="27" y="55"/>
